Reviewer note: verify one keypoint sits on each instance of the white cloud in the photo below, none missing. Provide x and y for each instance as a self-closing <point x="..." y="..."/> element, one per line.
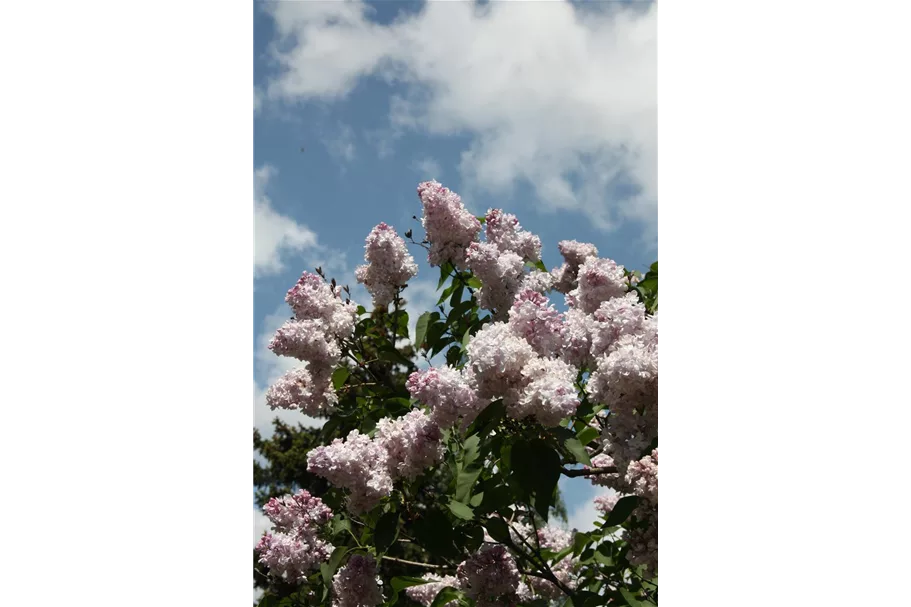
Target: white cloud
<point x="583" y="516"/>
<point x="341" y="144"/>
<point x="429" y="168"/>
<point x="275" y="235"/>
<point x="561" y="99"/>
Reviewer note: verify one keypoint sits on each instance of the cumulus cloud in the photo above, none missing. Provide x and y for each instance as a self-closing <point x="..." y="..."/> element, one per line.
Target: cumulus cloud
<point x="341" y="144"/>
<point x="559" y="97"/>
<point x="584" y="515"/>
<point x="428" y="168"/>
<point x="275" y="234"/>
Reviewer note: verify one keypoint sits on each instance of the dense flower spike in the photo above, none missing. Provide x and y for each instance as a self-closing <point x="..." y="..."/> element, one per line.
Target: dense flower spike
<point x="299" y="389"/>
<point x="575" y="253"/>
<point x="537" y="281"/>
<point x="501" y="274"/>
<point x="549" y="393"/>
<point x="642" y="476"/>
<point x="306" y="340"/>
<point x="614" y="318"/>
<point x="426" y="593"/>
<point x="450" y="227"/>
<point x="295" y="548"/>
<point x="539" y="323"/>
<point x="504" y="231"/>
<point x="313" y="299"/>
<point x="490" y="576"/>
<point x="497" y="356"/>
<point x="599" y="280"/>
<point x="449" y="393"/>
<point x="356" y="584"/>
<point x="577" y="338"/>
<point x="389" y="265"/>
<point x="412" y="442"/>
<point x="603" y="460"/>
<point x="358" y="464"/>
<point x="605" y="503"/>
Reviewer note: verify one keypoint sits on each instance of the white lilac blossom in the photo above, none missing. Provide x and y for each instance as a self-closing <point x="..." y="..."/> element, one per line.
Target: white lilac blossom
<point x="616" y="317"/>
<point x="538" y="281"/>
<point x="299" y="389"/>
<point x="449" y="393"/>
<point x="313" y="299"/>
<point x="306" y="340"/>
<point x="358" y="464"/>
<point x="426" y="593"/>
<point x="497" y="356"/>
<point x="574" y="253"/>
<point x="577" y="338"/>
<point x="295" y="547"/>
<point x="539" y="323"/>
<point x="389" y="265"/>
<point x="500" y="274"/>
<point x="412" y="442"/>
<point x="549" y="393"/>
<point x="548" y="538"/>
<point x="642" y="477"/>
<point x="357" y="584"/>
<point x="598" y="280"/>
<point x="490" y="576"/>
<point x="450" y="227"/>
<point x="608" y="479"/>
<point x="627" y="378"/>
<point x="605" y="503"/>
<point x="504" y="231"/>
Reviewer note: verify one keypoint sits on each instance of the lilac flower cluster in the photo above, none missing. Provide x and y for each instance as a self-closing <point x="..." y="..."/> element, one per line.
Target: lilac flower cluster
<point x="450" y="227"/>
<point x="389" y="265"/>
<point x="574" y="254"/>
<point x="605" y="503"/>
<point x="320" y="320"/>
<point x="504" y="231"/>
<point x="426" y="593"/>
<point x="367" y="468"/>
<point x="357" y="584"/>
<point x="295" y="547"/>
<point x="548" y="538"/>
<point x="490" y="576"/>
<point x="501" y="274"/>
<point x="539" y="323"/>
<point x="598" y="280"/>
<point x="451" y="394"/>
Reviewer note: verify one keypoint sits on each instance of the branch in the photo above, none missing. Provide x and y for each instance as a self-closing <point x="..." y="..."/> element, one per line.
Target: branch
<point x="589" y="471"/>
<point x="415" y="563"/>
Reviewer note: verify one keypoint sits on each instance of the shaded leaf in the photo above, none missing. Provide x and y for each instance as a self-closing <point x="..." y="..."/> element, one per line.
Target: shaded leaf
<point x="621" y="510"/>
<point x="420" y="329"/>
<point x="461" y="510"/>
<point x="339" y="376"/>
<point x="498" y="530"/>
<point x="387" y="529"/>
<point x="445" y="595"/>
<point x="575" y="447"/>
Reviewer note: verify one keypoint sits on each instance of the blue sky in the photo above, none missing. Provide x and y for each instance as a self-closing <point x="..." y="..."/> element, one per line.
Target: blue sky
<point x="540" y="109"/>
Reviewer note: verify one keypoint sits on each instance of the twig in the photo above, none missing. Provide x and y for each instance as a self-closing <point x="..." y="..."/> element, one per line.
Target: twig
<point x="589" y="471"/>
<point x="415" y="563"/>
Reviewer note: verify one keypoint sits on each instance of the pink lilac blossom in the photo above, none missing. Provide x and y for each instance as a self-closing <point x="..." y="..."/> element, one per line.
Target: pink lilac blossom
<point x="642" y="476"/>
<point x="356" y="584"/>
<point x="412" y="441"/>
<point x="298" y="389"/>
<point x="605" y="480"/>
<point x="358" y="464"/>
<point x="313" y="299"/>
<point x="577" y="338"/>
<point x="295" y="547"/>
<point x="627" y="378"/>
<point x="605" y="503"/>
<point x="389" y="265"/>
<point x="539" y="323"/>
<point x="306" y="340"/>
<point x="504" y="231"/>
<point x="599" y="280"/>
<point x="538" y="281"/>
<point x="500" y="274"/>
<point x="575" y="253"/>
<point x="616" y="317"/>
<point x="549" y="393"/>
<point x="497" y="356"/>
<point x="490" y="576"/>
<point x="449" y="393"/>
<point x="450" y="227"/>
<point x="426" y="593"/>
<point x="553" y="539"/>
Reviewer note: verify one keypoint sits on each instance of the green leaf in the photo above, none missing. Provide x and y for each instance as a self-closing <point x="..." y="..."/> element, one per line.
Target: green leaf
<point x="474" y="537"/>
<point x="445" y="595"/>
<point x="404" y="581"/>
<point x="498" y="530"/>
<point x="470" y="450"/>
<point x="466" y="338"/>
<point x="420" y="329"/>
<point x="339" y="376"/>
<point x="433" y="531"/>
<point x="622" y="510"/>
<point x="496" y="497"/>
<point x="575" y="447"/>
<point x="630" y="598"/>
<point x="328" y="569"/>
<point x="445" y="270"/>
<point x="481" y="218"/>
<point x="387" y="529"/>
<point x="540" y="265"/>
<point x="461" y="510"/>
<point x="587" y="435"/>
<point x="476" y="499"/>
<point x="488" y="419"/>
<point x="580" y="541"/>
<point x="536" y="468"/>
<point x="361" y="310"/>
<point x="340" y="525"/>
<point x="465" y="482"/>
<point x="456" y="296"/>
<point x="474" y="282"/>
<point x="654" y="268"/>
